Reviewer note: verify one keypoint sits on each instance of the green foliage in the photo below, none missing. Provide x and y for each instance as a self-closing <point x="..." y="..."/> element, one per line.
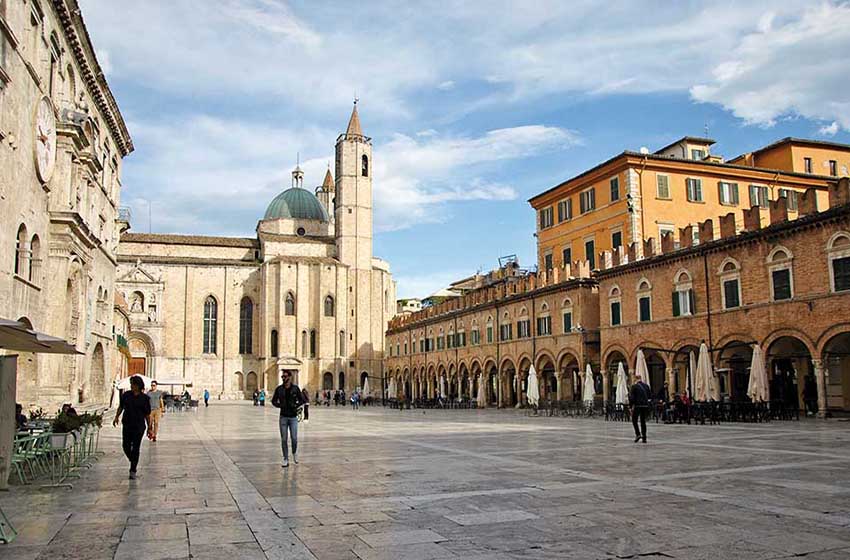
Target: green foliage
<point x="37" y="414"/>
<point x="92" y="418"/>
<point x="66" y="423"/>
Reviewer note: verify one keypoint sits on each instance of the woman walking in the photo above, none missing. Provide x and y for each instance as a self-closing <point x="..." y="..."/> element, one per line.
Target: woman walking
<point x="136" y="407"/>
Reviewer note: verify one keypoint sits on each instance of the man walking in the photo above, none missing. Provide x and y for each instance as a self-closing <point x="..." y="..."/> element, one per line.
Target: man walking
<point x="206" y="397"/>
<point x="288" y="397"/>
<point x="136" y="407"/>
<point x="639" y="398"/>
<point x="157" y="408"/>
<point x="306" y="395"/>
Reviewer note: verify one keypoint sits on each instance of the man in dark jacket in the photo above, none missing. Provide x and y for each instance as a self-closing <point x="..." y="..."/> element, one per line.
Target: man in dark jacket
<point x="639" y="398"/>
<point x="288" y="398"/>
<point x="136" y="407"/>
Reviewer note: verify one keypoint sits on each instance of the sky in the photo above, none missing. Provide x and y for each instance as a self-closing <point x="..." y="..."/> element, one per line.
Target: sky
<point x="473" y="106"/>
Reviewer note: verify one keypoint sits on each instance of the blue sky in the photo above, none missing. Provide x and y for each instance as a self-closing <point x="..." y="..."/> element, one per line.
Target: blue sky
<point x="473" y="107"/>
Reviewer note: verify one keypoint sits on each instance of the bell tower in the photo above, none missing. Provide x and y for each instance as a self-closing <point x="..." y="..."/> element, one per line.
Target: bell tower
<point x="353" y="208"/>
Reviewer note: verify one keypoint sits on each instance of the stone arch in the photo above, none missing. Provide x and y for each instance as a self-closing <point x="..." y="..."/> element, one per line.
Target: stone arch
<point x="508" y="377"/>
<point x="792" y="333"/>
<point x="547" y="374"/>
<point x="250" y="383"/>
<point x="829" y="334"/>
<point x="835" y="352"/>
<point x="327" y="381"/>
<point x="612" y="348"/>
<point x="98" y="375"/>
<point x="569" y="371"/>
<point x="240" y="382"/>
<point x="544" y="355"/>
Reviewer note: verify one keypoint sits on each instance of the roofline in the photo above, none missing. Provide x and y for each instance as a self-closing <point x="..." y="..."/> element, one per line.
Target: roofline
<point x="694" y="139"/>
<point x="794" y="140"/>
<point x="687" y="162"/>
<point x="183" y="239"/>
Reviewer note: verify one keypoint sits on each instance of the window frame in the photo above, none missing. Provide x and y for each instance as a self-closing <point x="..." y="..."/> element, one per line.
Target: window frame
<point x="792" y="202"/>
<point x="779" y="264"/>
<point x="693" y="187"/>
<point x="614" y="188"/>
<point x="587" y="200"/>
<point x="755" y="192"/>
<point x="209" y="338"/>
<point x="546" y="218"/>
<point x="658" y="177"/>
<point x="590" y="258"/>
<point x="729" y="276"/>
<point x="644" y="293"/>
<point x="246" y="326"/>
<point x="807" y="165"/>
<point x="615" y="298"/>
<point x="734" y="198"/>
<point x="565" y="210"/>
<point x="683" y="295"/>
<point x="837" y="253"/>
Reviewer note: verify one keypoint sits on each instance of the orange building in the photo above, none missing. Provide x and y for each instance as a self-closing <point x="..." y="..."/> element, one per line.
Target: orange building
<point x="802" y="156"/>
<point x="636" y="196"/>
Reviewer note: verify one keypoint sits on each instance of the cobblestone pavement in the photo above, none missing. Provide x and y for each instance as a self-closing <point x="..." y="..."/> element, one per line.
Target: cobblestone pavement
<point x="384" y="484"/>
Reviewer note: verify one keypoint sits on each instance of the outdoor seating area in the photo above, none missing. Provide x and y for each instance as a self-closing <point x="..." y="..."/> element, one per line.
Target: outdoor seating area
<point x="50" y="451"/>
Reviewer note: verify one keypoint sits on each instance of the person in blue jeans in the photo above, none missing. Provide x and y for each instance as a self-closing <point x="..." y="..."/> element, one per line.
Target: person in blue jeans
<point x="288" y="398"/>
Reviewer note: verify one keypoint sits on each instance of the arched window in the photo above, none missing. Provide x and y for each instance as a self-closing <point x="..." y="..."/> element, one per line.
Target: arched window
<point x="364" y="165"/>
<point x="342" y="343"/>
<point x="72" y="84"/>
<point x="313" y="343"/>
<point x="730" y="283"/>
<point x="341" y="380"/>
<point x="781" y="276"/>
<point x="523" y="324"/>
<point x="246" y="325"/>
<point x="329" y="306"/>
<point x="35" y="260"/>
<point x="615" y="306"/>
<point x="684" y="302"/>
<point x="489" y="330"/>
<point x="210" y="325"/>
<point x="644" y="299"/>
<point x="838" y="250"/>
<point x="289" y="304"/>
<point x="22" y="253"/>
<point x="274" y="343"/>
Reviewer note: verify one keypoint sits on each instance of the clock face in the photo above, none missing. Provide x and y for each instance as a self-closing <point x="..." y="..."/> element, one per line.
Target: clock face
<point x="45" y="139"/>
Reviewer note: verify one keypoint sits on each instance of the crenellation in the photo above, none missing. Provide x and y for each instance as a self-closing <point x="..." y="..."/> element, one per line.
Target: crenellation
<point x="727" y="226"/>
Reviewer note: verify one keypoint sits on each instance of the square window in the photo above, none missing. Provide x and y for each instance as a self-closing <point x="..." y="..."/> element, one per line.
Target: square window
<point x="841" y="274"/>
<point x="730" y="293"/>
<point x="759" y="196"/>
<point x="663" y="188"/>
<point x="697" y="155"/>
<point x="615" y="188"/>
<point x="807" y="164"/>
<point x="694" y="187"/>
<point x="728" y="193"/>
<point x="615" y="313"/>
<point x="781" y="284"/>
<point x="547" y="261"/>
<point x="645" y="311"/>
<point x="616" y="239"/>
<point x="567" y="255"/>
<point x="568" y="322"/>
<point x="587" y="200"/>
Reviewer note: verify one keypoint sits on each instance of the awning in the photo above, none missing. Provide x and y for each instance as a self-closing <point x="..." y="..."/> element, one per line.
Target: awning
<point x="16" y="336"/>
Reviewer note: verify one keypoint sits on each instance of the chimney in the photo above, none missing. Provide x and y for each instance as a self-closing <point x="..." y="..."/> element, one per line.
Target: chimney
<point x="752" y="218"/>
<point x="667" y="242"/>
<point x="839" y="192"/>
<point x="706" y="229"/>
<point x="686" y="237"/>
<point x="649" y="247"/>
<point x="807" y="202"/>
<point x="778" y="210"/>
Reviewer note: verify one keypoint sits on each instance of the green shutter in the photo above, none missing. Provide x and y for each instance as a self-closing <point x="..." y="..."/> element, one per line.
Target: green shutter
<point x="676" y="309"/>
<point x="693" y="301"/>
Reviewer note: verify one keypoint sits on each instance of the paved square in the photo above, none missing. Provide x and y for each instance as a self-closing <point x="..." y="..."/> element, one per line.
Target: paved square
<point x="449" y="484"/>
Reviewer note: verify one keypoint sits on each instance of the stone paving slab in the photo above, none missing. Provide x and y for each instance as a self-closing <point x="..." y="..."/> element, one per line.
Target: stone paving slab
<point x="483" y="484"/>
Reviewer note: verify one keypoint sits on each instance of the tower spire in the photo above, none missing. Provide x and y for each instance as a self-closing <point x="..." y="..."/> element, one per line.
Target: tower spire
<point x="297" y="174"/>
<point x="354" y="122"/>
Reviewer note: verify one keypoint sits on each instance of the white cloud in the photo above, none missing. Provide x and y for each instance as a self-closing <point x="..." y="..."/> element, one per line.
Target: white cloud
<point x="830" y="129"/>
<point x="789" y="67"/>
<point x="446" y="86"/>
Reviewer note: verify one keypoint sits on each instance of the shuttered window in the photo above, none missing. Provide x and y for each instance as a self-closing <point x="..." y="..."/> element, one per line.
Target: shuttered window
<point x="694" y="190"/>
<point x="615" y="313"/>
<point x="728" y="193"/>
<point x="644" y="308"/>
<point x="663" y="182"/>
<point x="841" y="273"/>
<point x="730" y="293"/>
<point x="683" y="303"/>
<point x="781" y="284"/>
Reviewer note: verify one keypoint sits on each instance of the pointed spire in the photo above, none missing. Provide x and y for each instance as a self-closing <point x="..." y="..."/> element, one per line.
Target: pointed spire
<point x="328" y="183"/>
<point x="354" y="122"/>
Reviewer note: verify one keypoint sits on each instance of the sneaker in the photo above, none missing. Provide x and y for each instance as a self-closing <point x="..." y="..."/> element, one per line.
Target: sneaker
<point x="132" y="475"/>
<point x="295" y="458"/>
<point x="285" y="463"/>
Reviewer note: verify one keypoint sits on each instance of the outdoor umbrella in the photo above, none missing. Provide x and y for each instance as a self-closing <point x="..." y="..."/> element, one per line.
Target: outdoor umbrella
<point x="622" y="386"/>
<point x="15" y="335"/>
<point x="757" y="388"/>
<point x="366" y="390"/>
<point x="589" y="390"/>
<point x="124" y="384"/>
<point x="706" y="381"/>
<point x="391" y="389"/>
<point x="641" y="370"/>
<point x="533" y="390"/>
<point x="482" y="399"/>
<point x="443" y="386"/>
<point x="691" y="370"/>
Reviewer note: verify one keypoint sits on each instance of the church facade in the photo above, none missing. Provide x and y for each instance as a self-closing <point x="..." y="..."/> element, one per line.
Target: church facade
<point x="305" y="294"/>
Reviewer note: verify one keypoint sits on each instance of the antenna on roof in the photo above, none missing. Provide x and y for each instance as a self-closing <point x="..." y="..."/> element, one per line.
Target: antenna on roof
<point x="706" y="129"/>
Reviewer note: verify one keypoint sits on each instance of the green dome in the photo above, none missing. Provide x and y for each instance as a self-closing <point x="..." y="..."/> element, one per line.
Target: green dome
<point x="299" y="204"/>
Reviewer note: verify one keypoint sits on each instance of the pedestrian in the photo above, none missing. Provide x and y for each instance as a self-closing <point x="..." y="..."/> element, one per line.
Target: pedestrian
<point x="288" y="398"/>
<point x="206" y="397"/>
<point x="261" y="397"/>
<point x="157" y="408"/>
<point x="639" y="398"/>
<point x="136" y="407"/>
<point x="256" y="397"/>
<point x="306" y="396"/>
<point x="20" y="419"/>
<point x="810" y="395"/>
<point x="342" y="397"/>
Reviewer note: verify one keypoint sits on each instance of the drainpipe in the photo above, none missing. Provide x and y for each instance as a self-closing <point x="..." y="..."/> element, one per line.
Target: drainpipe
<point x="224" y="332"/>
<point x="640" y="193"/>
<point x="707" y="302"/>
<point x="498" y="337"/>
<point x="185" y="317"/>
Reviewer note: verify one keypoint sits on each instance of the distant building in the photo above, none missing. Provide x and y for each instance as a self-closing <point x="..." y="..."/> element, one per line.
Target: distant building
<point x="440" y="296"/>
<point x="407" y="306"/>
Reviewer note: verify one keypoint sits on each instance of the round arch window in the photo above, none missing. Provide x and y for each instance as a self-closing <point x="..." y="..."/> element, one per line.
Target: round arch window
<point x="300" y="231"/>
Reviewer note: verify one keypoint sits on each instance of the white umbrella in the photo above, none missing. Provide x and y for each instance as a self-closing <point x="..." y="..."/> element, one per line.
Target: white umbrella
<point x="622" y="386"/>
<point x="533" y="390"/>
<point x="706" y="386"/>
<point x="692" y="369"/>
<point x="641" y="370"/>
<point x="757" y="388"/>
<point x="366" y="390"/>
<point x="391" y="389"/>
<point x="482" y="398"/>
<point x="589" y="390"/>
<point x="443" y="386"/>
<point x="124" y="384"/>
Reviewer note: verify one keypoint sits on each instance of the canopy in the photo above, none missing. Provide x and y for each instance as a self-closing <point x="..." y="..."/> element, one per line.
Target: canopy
<point x="706" y="386"/>
<point x="124" y="384"/>
<point x="641" y="370"/>
<point x="622" y="385"/>
<point x="366" y="389"/>
<point x="15" y="335"/>
<point x="482" y="399"/>
<point x="757" y="389"/>
<point x="533" y="389"/>
<point x="589" y="391"/>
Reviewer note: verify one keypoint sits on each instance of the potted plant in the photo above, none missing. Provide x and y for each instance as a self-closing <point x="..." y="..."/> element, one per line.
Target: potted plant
<point x="63" y="425"/>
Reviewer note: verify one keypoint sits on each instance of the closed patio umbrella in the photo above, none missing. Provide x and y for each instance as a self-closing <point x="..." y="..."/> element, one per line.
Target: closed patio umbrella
<point x="706" y="385"/>
<point x="691" y="370"/>
<point x="640" y="368"/>
<point x="588" y="391"/>
<point x="533" y="391"/>
<point x="622" y="386"/>
<point x="366" y="389"/>
<point x="391" y="392"/>
<point x="482" y="394"/>
<point x="443" y="386"/>
<point x="757" y="389"/>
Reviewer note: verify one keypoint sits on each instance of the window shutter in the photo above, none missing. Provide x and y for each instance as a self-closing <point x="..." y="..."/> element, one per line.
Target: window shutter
<point x="693" y="301"/>
<point x="841" y="273"/>
<point x="734" y="192"/>
<point x="676" y="309"/>
<point x="720" y="194"/>
<point x="592" y="199"/>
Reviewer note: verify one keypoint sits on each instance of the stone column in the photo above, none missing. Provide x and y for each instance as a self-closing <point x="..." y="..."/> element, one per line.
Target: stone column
<point x="605" y="389"/>
<point x="820" y="379"/>
<point x="499" y="381"/>
<point x="8" y="372"/>
<point x="671" y="382"/>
